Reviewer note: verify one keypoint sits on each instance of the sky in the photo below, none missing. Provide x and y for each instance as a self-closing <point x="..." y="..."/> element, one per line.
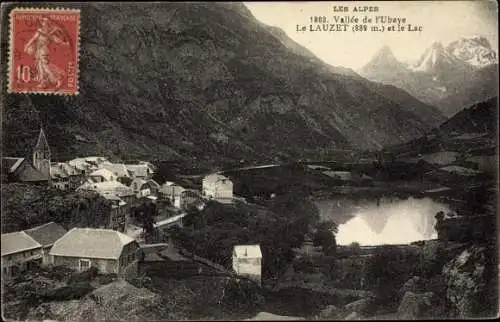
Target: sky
<point x="443" y="21"/>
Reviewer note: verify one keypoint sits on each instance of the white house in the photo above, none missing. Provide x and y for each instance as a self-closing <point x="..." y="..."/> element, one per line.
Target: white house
<point x="108" y="250"/>
<point x="118" y="169"/>
<point x="218" y="187"/>
<point x="145" y="187"/>
<point x="172" y="191"/>
<point x="110" y="187"/>
<point x="247" y="261"/>
<point x="96" y="160"/>
<point x="85" y="165"/>
<point x="102" y="175"/>
<point x="19" y="251"/>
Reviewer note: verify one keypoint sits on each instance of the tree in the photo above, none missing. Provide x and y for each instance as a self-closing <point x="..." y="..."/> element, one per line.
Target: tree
<point x="25" y="206"/>
<point x="387" y="271"/>
<point x="325" y="237"/>
<point x="145" y="213"/>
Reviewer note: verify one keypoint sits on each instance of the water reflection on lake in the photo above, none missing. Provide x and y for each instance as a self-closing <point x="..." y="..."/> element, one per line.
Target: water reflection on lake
<point x="384" y="221"/>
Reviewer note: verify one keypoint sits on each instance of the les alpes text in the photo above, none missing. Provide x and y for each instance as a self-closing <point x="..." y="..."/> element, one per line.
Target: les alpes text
<point x="355" y="9"/>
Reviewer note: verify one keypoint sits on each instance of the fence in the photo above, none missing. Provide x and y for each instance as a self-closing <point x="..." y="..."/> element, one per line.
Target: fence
<point x="205" y="261"/>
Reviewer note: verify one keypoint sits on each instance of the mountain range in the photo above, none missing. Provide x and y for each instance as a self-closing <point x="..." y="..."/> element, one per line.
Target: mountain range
<point x="451" y="78"/>
<point x="206" y="81"/>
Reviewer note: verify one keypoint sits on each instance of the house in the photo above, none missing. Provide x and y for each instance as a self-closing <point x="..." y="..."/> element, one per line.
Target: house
<point x="21" y="170"/>
<point x="76" y="178"/>
<point x="110" y="251"/>
<point x="172" y="192"/>
<point x="98" y="161"/>
<point x="121" y="197"/>
<point x="247" y="262"/>
<point x="218" y="187"/>
<point x="82" y="166"/>
<point x="190" y="197"/>
<point x="110" y="188"/>
<point x="119" y="213"/>
<point x="46" y="235"/>
<point x="19" y="252"/>
<point x="119" y="170"/>
<point x="86" y="165"/>
<point x="64" y="176"/>
<point x="307" y="247"/>
<point x="139" y="186"/>
<point x="59" y="177"/>
<point x="144" y="170"/>
<point x="102" y="175"/>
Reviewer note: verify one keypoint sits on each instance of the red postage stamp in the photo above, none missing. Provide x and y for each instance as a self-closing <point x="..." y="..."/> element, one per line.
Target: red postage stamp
<point x="44" y="51"/>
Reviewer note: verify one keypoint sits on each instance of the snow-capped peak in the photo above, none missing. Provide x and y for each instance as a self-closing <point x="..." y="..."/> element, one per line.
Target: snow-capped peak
<point x="475" y="51"/>
<point x="430" y="58"/>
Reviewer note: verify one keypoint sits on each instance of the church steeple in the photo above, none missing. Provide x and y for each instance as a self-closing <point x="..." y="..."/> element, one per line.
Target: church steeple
<point x="41" y="143"/>
<point x="41" y="154"/>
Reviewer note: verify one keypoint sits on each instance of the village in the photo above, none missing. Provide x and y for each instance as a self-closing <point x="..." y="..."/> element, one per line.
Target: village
<point x="118" y="246"/>
<point x="157" y="234"/>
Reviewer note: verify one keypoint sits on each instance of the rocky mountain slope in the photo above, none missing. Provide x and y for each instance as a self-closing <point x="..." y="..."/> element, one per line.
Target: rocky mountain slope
<point x="452" y="77"/>
<point x="472" y="132"/>
<point x="479" y="118"/>
<point x="204" y="81"/>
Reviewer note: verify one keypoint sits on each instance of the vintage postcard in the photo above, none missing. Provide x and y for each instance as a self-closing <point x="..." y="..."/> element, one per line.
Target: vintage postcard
<point x="249" y="160"/>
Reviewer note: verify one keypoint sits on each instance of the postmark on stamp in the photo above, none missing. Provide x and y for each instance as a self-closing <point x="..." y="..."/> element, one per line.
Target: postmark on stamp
<point x="44" y="51"/>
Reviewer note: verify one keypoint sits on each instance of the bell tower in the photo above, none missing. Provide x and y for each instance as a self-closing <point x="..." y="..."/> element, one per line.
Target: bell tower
<point x="41" y="155"/>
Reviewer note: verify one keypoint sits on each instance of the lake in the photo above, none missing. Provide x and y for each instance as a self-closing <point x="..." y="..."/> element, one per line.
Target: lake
<point x="381" y="221"/>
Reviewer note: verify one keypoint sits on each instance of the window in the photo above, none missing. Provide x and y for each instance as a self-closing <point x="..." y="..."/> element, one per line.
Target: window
<point x="84" y="264"/>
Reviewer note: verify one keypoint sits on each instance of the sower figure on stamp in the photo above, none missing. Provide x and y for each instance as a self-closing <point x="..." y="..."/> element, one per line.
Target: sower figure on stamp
<point x="38" y="45"/>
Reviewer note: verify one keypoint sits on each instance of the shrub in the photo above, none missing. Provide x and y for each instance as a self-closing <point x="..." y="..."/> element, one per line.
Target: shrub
<point x="85" y="276"/>
<point x="303" y="265"/>
<point x="69" y="292"/>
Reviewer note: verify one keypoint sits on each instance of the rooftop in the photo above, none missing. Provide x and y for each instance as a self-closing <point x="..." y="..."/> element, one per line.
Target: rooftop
<point x="113" y="187"/>
<point x="106" y="174"/>
<point x="17" y="242"/>
<point x="119" y="169"/>
<point x="91" y="243"/>
<point x="46" y="234"/>
<point x="214" y="177"/>
<point x="248" y="251"/>
<point x="10" y="164"/>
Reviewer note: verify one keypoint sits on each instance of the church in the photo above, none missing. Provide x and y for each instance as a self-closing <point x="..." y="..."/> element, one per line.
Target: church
<point x="15" y="169"/>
